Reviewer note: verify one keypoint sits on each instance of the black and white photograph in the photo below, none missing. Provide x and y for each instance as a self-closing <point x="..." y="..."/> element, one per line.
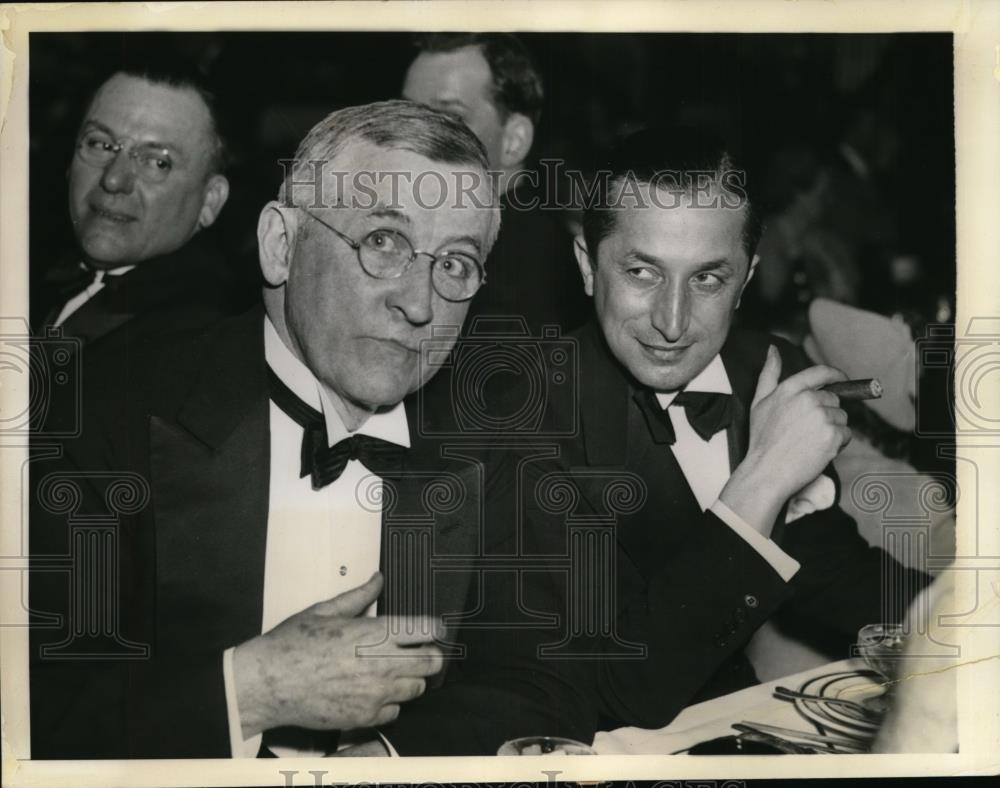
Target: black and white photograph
<point x="387" y="385"/>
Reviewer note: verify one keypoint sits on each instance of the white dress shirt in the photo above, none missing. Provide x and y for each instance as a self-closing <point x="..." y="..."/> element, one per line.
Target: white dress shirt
<point x="705" y="465"/>
<point x="89" y="292"/>
<point x="320" y="543"/>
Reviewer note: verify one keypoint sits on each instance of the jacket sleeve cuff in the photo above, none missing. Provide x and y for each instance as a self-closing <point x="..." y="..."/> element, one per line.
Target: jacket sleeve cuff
<point x="780" y="561"/>
<point x="240" y="747"/>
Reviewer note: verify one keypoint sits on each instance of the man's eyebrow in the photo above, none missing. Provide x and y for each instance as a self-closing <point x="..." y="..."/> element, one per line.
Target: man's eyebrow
<point x="711" y="265"/>
<point x="90" y="123"/>
<point x="463" y="239"/>
<point x="642" y="257"/>
<point x="708" y="265"/>
<point x="385" y="212"/>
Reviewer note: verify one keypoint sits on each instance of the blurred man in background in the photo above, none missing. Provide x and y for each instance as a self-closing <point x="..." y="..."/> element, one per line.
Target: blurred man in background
<point x="144" y="183"/>
<point x="488" y="81"/>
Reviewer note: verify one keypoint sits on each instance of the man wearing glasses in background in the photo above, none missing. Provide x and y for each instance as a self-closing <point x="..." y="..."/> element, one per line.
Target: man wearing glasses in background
<point x="145" y="181"/>
<point x="269" y="456"/>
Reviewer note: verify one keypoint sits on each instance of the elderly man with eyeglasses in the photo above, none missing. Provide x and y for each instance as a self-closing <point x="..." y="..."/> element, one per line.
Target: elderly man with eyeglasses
<point x="145" y="181"/>
<point x="274" y="465"/>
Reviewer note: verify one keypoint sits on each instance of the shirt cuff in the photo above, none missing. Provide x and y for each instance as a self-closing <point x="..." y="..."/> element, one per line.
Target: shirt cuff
<point x="240" y="747"/>
<point x="780" y="561"/>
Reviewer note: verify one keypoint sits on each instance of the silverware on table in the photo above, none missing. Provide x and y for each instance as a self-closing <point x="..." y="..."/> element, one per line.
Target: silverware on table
<point x="814" y="738"/>
<point x="749" y="733"/>
<point x="787" y="694"/>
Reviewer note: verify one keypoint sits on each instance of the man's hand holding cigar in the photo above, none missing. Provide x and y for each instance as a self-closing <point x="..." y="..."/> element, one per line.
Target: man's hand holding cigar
<point x="866" y="388"/>
<point x="796" y="429"/>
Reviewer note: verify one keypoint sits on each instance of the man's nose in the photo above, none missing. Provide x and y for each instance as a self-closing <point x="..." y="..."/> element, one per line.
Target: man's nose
<point x="672" y="311"/>
<point x="413" y="295"/>
<point x="119" y="176"/>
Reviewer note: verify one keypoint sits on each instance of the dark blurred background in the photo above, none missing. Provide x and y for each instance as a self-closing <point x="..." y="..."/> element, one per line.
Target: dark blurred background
<point x="806" y="109"/>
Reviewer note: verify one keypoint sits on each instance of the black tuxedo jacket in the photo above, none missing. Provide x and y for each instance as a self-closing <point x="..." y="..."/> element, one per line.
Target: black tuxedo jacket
<point x="628" y="602"/>
<point x="148" y="539"/>
<point x="688" y="588"/>
<point x="186" y="289"/>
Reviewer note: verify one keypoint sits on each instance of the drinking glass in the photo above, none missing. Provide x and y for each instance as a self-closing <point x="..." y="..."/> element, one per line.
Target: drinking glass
<point x="544" y="745"/>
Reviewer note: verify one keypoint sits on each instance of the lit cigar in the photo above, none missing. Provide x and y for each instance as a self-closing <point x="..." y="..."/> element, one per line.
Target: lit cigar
<point x="869" y="388"/>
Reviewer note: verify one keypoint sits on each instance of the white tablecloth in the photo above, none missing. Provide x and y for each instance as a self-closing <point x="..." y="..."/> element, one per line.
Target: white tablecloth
<point x="714" y="718"/>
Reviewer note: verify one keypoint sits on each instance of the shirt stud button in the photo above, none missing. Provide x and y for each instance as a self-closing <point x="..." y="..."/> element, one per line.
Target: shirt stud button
<point x="343" y="571"/>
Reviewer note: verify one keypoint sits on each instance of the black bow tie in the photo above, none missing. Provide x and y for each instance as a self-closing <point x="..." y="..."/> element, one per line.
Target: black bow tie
<point x="73" y="281"/>
<point x="707" y="412"/>
<point x="326" y="463"/>
<point x="65" y="283"/>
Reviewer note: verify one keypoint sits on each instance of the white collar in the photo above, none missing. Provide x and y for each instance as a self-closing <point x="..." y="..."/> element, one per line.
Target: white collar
<point x="100" y="273"/>
<point x="390" y="425"/>
<point x="118" y="271"/>
<point x="712" y="378"/>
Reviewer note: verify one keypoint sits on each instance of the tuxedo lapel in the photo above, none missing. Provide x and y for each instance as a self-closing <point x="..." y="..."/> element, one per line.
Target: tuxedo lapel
<point x="662" y="523"/>
<point x="65" y="280"/>
<point x="604" y="399"/>
<point x="176" y="277"/>
<point x="743" y="360"/>
<point x="95" y="319"/>
<point x="155" y="282"/>
<point x="430" y="516"/>
<point x="744" y="355"/>
<point x="210" y="464"/>
<point x="616" y="436"/>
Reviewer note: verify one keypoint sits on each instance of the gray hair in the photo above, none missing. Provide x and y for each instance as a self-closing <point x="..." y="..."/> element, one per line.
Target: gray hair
<point x="395" y="125"/>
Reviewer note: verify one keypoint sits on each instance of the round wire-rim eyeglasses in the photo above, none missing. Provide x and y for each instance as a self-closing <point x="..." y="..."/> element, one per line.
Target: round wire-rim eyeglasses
<point x="152" y="163"/>
<point x="387" y="254"/>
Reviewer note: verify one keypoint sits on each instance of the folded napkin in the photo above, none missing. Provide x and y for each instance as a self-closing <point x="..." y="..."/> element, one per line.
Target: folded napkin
<point x="715" y="718"/>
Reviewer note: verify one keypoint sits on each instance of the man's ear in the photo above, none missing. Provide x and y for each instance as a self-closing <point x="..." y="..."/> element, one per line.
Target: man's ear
<point x="216" y="194"/>
<point x="750" y="273"/>
<point x="275" y="234"/>
<point x="584" y="262"/>
<point x="518" y="136"/>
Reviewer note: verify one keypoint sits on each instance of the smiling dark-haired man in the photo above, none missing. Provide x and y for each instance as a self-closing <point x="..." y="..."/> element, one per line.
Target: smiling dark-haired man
<point x="726" y="435"/>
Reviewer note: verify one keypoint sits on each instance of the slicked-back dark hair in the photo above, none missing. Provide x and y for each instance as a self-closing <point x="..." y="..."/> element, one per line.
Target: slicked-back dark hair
<point x="673" y="156"/>
<point x="517" y="85"/>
